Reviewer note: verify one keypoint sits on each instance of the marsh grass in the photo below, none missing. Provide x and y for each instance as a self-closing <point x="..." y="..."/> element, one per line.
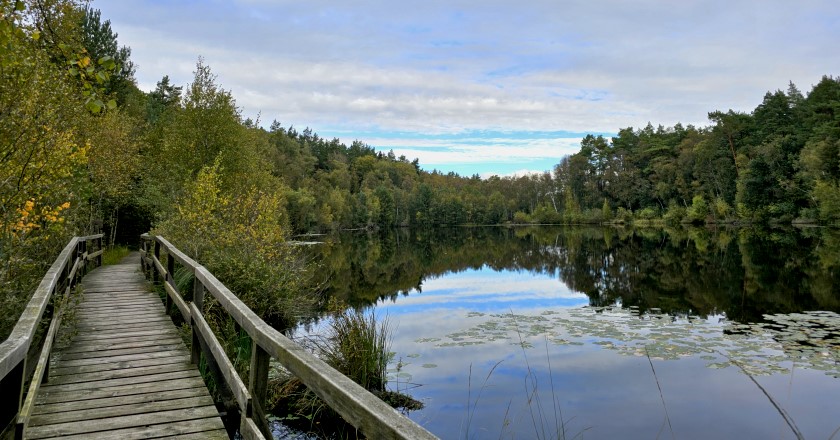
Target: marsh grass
<point x="114" y="254"/>
<point x="357" y="345"/>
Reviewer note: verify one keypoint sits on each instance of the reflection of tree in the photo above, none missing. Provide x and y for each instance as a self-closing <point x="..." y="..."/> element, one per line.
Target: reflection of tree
<point x="744" y="273"/>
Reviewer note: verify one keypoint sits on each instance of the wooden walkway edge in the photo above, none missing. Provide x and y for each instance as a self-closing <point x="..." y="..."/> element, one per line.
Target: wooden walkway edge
<point x="126" y="372"/>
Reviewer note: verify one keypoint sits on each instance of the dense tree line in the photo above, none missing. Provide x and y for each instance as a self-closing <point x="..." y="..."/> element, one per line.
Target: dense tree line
<point x="779" y="163"/>
<point x="84" y="150"/>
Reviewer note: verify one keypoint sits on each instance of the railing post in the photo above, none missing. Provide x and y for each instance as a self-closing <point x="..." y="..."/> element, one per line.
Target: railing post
<point x="170" y="278"/>
<point x="99" y="242"/>
<point x="81" y="248"/>
<point x="258" y="386"/>
<point x="156" y="247"/>
<point x="144" y="244"/>
<point x="198" y="301"/>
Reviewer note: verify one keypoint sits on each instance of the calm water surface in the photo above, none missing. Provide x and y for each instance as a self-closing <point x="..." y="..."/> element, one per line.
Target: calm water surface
<point x="605" y="333"/>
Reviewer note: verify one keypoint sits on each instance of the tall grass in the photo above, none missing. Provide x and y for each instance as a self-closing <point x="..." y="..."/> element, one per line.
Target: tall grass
<point x="357" y="346"/>
<point x="114" y="254"/>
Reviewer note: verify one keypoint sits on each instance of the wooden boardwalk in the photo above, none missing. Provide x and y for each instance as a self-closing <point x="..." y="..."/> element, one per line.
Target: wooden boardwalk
<point x="126" y="372"/>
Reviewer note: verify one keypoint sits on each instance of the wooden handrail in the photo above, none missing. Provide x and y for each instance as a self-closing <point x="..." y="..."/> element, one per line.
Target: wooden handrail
<point x="17" y="351"/>
<point x="373" y="417"/>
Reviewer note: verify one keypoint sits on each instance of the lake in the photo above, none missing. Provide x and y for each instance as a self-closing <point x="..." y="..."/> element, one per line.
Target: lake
<point x="544" y="332"/>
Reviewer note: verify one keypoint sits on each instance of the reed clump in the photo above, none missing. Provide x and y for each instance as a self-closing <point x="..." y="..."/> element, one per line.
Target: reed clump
<point x="357" y="345"/>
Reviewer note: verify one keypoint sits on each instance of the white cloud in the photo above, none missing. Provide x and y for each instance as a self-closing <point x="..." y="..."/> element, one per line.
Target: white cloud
<point x="453" y="66"/>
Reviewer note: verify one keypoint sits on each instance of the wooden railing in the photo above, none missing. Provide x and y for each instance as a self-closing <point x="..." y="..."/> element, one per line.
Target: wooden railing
<point x="21" y="348"/>
<point x="370" y="415"/>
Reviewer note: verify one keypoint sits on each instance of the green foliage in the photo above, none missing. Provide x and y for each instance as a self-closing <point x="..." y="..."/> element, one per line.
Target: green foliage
<point x="606" y="212"/>
<point x="827" y="196"/>
<point x="241" y="238"/>
<point x="521" y="218"/>
<point x="623" y="215"/>
<point x="698" y="211"/>
<point x="114" y="254"/>
<point x="675" y="214"/>
<point x="100" y="43"/>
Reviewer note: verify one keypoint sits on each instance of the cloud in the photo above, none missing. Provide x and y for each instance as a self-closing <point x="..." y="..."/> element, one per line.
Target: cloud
<point x="457" y="66"/>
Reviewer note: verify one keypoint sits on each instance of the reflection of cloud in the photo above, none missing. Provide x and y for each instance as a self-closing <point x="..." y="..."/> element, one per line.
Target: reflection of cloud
<point x="596" y="388"/>
<point x="486" y="289"/>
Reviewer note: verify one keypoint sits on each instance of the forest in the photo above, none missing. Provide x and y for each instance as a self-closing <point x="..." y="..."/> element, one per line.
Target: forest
<point x="83" y="149"/>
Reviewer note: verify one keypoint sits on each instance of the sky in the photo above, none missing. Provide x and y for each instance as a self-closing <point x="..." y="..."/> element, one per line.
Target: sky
<point x="483" y="87"/>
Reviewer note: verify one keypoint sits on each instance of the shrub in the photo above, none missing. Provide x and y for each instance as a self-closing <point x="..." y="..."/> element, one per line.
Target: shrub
<point x="521" y="218"/>
<point x="241" y="239"/>
<point x="675" y="214"/>
<point x="698" y="211"/>
<point x="647" y="213"/>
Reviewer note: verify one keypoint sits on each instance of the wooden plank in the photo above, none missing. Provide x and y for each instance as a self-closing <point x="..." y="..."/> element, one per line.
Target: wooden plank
<point x="69" y="363"/>
<point x="117" y="327"/>
<point x="187" y="429"/>
<point x="89" y="379"/>
<point x="122" y="351"/>
<point x="114" y="383"/>
<point x="94" y="314"/>
<point x="127" y="421"/>
<point x="118" y="345"/>
<point x="128" y="302"/>
<point x="181" y="380"/>
<point x="179" y="358"/>
<point x="122" y="410"/>
<point x="90" y="327"/>
<point x="119" y="400"/>
<point x="104" y="336"/>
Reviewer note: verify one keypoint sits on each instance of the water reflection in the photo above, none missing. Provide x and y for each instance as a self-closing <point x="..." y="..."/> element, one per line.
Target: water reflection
<point x="743" y="273"/>
<point x="523" y="333"/>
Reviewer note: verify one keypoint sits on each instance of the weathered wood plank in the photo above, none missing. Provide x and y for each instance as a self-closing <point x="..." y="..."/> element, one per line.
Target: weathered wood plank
<point x="106" y="366"/>
<point x="69" y="363"/>
<point x="176" y="381"/>
<point x="127" y="421"/>
<point x="119" y="400"/>
<point x="125" y="344"/>
<point x="109" y="353"/>
<point x="128" y="303"/>
<point x="188" y="429"/>
<point x="117" y="327"/>
<point x="126" y="372"/>
<point x="109" y="383"/>
<point x="93" y="378"/>
<point x="151" y="331"/>
<point x="80" y="415"/>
